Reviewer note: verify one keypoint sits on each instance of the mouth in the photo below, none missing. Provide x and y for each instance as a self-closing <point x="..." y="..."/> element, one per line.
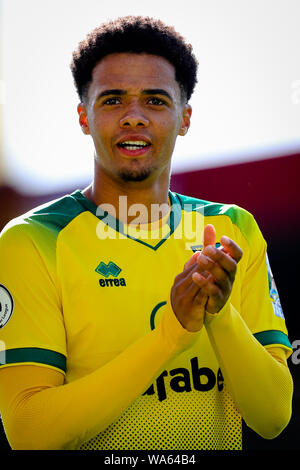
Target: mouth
<point x="134" y="148"/>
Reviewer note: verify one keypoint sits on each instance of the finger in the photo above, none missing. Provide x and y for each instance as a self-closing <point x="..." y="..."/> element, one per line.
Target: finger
<point x="198" y="279"/>
<point x="215" y="296"/>
<point x="207" y="288"/>
<point x="192" y="260"/>
<point x="216" y="272"/>
<point x="191" y="291"/>
<point x="184" y="281"/>
<point x="225" y="260"/>
<point x="209" y="235"/>
<point x="200" y="299"/>
<point x="209" y="238"/>
<point x="231" y="248"/>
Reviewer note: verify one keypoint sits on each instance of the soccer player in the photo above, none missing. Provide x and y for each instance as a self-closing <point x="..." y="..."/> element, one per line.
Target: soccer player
<point x="161" y="330"/>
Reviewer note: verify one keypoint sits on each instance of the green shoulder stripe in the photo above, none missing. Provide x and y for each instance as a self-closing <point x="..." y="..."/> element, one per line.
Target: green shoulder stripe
<point x="238" y="216"/>
<point x="38" y="355"/>
<point x="189" y="203"/>
<point x="56" y="214"/>
<point x="269" y="337"/>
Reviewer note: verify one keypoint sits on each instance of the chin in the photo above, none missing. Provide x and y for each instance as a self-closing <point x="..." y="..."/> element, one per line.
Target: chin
<point x="141" y="174"/>
<point x="134" y="177"/>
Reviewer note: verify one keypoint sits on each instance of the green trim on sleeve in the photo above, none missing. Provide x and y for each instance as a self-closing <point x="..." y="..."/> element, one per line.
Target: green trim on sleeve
<point x="38" y="355"/>
<point x="266" y="338"/>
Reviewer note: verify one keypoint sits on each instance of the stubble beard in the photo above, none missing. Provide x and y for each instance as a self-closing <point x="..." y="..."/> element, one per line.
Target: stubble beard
<point x="135" y="174"/>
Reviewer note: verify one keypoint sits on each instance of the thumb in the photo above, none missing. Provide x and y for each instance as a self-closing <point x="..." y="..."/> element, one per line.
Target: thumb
<point x="209" y="235"/>
<point x="209" y="238"/>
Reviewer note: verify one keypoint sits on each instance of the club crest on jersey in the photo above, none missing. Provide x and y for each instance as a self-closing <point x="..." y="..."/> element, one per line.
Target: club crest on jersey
<point x="6" y="305"/>
<point x="199" y="247"/>
<point x="273" y="292"/>
<point x="110" y="269"/>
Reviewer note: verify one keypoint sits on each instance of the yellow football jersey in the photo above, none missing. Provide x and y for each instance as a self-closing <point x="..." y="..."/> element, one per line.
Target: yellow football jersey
<point x="78" y="286"/>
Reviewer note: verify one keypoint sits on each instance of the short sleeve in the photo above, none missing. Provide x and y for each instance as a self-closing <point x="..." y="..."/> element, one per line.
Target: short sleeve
<point x="260" y="303"/>
<point x="31" y="319"/>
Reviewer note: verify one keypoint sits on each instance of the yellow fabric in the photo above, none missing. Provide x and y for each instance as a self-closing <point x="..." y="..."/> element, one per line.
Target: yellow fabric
<point x="23" y="402"/>
<point x="73" y="317"/>
<point x="39" y="412"/>
<point x="250" y="371"/>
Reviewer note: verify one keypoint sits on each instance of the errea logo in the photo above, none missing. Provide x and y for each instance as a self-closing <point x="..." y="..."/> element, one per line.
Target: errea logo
<point x="110" y="269"/>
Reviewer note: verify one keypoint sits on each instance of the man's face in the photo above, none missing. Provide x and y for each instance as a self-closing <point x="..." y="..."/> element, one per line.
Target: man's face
<point x="134" y="114"/>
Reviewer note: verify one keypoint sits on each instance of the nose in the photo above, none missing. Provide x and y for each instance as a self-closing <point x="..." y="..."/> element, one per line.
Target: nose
<point x="134" y="118"/>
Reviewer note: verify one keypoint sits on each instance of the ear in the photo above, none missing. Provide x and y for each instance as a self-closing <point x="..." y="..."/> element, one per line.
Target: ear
<point x="83" y="120"/>
<point x="186" y="119"/>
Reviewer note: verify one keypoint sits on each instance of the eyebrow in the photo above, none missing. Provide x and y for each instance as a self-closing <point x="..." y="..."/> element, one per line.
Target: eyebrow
<point x="157" y="91"/>
<point x="150" y="91"/>
<point x="114" y="91"/>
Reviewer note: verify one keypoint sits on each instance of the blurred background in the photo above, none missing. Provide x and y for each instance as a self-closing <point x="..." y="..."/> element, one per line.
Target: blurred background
<point x="243" y="146"/>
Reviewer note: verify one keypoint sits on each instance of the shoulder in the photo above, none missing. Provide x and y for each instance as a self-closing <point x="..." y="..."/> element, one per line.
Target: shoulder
<point x="239" y="217"/>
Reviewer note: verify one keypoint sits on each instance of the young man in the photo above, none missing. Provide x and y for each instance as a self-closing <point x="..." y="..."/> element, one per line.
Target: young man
<point x="160" y="331"/>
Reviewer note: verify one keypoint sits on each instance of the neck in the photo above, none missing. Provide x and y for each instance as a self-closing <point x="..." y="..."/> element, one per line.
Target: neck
<point x="121" y="198"/>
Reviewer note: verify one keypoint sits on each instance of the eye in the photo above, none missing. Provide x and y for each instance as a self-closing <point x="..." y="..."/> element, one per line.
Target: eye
<point x="112" y="101"/>
<point x="156" y="101"/>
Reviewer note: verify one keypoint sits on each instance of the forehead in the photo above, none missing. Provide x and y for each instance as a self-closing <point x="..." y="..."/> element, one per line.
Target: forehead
<point x="133" y="72"/>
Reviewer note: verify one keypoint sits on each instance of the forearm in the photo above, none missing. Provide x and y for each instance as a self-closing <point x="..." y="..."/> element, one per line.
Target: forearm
<point x="260" y="386"/>
<point x="64" y="416"/>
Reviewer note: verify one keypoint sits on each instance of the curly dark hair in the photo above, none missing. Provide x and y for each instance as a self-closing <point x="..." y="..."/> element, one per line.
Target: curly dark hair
<point x="134" y="34"/>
